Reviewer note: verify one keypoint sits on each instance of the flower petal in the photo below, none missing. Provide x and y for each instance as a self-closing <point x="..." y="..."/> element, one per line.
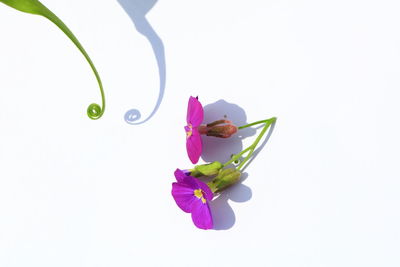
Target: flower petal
<point x="201" y="215"/>
<point x="180" y="175"/>
<point x="183" y="196"/>
<point x="194" y="146"/>
<point x="195" y="113"/>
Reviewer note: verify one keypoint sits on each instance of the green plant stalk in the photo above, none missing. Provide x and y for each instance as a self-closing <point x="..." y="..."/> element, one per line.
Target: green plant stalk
<point x="94" y="111"/>
<point x="253" y="146"/>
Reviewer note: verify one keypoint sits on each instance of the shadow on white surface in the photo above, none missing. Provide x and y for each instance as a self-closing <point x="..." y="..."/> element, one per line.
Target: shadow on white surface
<point x="220" y="149"/>
<point x="223" y="215"/>
<point x="137" y="10"/>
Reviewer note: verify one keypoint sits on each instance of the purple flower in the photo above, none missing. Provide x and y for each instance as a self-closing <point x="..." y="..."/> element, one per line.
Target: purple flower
<point x="194" y="118"/>
<point x="221" y="128"/>
<point x="192" y="196"/>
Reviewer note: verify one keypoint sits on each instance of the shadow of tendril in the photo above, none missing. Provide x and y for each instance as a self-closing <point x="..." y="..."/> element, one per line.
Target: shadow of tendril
<point x="137" y="10"/>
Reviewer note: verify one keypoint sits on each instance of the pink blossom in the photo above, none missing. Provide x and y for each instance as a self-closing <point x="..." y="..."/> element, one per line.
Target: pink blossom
<point x="192" y="196"/>
<point x="194" y="118"/>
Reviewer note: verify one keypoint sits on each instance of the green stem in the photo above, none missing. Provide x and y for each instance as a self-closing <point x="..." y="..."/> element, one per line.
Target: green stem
<point x="253" y="146"/>
<point x="94" y="111"/>
<point x="236" y="157"/>
<point x="254" y="123"/>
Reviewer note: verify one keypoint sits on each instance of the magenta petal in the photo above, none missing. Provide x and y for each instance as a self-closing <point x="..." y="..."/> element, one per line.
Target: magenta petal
<point x="191" y="182"/>
<point x="184" y="196"/>
<point x="194" y="147"/>
<point x="201" y="215"/>
<point x="179" y="175"/>
<point x="195" y="112"/>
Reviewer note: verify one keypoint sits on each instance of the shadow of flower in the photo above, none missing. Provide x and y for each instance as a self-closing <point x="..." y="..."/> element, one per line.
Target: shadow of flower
<point x="219" y="149"/>
<point x="223" y="214"/>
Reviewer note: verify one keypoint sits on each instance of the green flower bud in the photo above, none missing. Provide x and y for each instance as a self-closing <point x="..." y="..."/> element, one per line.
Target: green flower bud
<point x="224" y="179"/>
<point x="209" y="169"/>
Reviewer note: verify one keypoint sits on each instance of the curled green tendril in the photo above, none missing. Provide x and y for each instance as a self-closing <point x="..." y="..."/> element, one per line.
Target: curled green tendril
<point x="94" y="111"/>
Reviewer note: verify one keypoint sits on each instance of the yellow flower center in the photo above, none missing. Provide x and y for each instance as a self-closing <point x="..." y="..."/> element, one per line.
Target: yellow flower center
<point x="199" y="194"/>
<point x="190" y="132"/>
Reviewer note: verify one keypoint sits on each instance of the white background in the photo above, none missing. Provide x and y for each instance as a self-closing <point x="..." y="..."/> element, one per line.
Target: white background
<point x="324" y="191"/>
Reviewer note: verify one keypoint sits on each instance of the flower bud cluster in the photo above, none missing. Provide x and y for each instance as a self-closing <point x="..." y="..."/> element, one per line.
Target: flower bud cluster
<point x="221" y="177"/>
